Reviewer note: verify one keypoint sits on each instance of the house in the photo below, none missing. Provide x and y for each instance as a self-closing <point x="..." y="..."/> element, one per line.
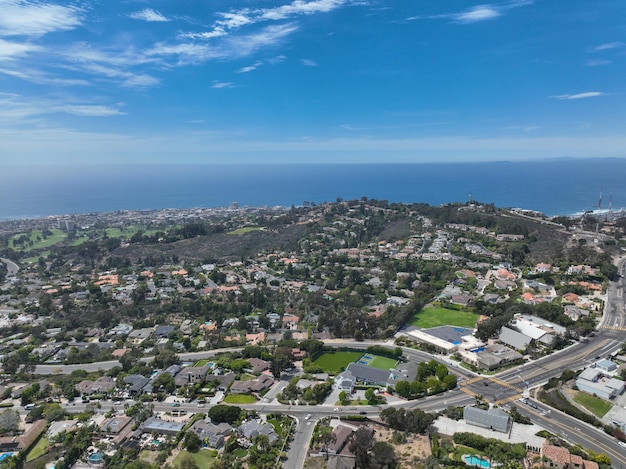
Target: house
<point x="493" y="419"/>
<point x="223" y="381"/>
<point x="104" y="384"/>
<point x="115" y="425"/>
<point x="258" y="365"/>
<point x="211" y="434"/>
<point x="162" y="427"/>
<point x="560" y="458"/>
<point x="136" y="384"/>
<point x="137" y="336"/>
<point x="252" y="428"/>
<point x="342" y="435"/>
<point x="163" y="332"/>
<point x="345" y="381"/>
<point x="257" y="385"/>
<point x="192" y="375"/>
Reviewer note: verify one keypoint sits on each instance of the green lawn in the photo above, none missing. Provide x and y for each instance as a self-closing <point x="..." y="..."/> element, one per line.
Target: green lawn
<point x="433" y="317"/>
<point x="593" y="404"/>
<point x="38" y="450"/>
<point x="38" y="242"/>
<point x="206" y="361"/>
<point x="240" y="399"/>
<point x="244" y="230"/>
<point x="383" y="363"/>
<point x="240" y="453"/>
<point x="35" y="259"/>
<point x="203" y="458"/>
<point x="333" y="362"/>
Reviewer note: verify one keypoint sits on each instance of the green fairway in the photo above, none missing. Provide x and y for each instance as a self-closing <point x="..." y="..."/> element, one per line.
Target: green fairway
<point x="433" y="317"/>
<point x="383" y="363"/>
<point x="333" y="362"/>
<point x="595" y="405"/>
<point x="25" y="243"/>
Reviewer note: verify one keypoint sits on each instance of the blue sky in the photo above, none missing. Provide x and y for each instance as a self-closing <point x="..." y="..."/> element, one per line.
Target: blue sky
<point x="237" y="81"/>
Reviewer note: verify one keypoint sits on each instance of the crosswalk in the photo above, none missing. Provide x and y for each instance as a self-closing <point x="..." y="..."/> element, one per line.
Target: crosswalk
<point x="505" y="384"/>
<point x="508" y="399"/>
<point x="614" y="328"/>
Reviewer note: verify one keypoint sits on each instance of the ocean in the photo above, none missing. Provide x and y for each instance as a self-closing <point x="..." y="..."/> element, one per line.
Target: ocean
<point x="555" y="187"/>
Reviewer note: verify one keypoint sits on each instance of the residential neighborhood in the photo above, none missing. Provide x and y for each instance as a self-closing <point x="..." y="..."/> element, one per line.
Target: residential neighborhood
<point x="262" y="295"/>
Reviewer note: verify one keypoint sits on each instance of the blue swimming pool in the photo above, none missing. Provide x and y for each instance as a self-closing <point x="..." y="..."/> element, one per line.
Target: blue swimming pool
<point x="96" y="457"/>
<point x="475" y="461"/>
<point x="3" y="456"/>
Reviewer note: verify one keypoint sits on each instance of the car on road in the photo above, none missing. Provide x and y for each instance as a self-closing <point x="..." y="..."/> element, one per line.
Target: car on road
<point x="363" y="412"/>
<point x="175" y="404"/>
<point x="308" y="416"/>
<point x="485" y="383"/>
<point x="622" y="444"/>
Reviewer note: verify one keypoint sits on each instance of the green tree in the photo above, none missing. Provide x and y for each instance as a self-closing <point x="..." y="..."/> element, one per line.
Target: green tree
<point x="192" y="442"/>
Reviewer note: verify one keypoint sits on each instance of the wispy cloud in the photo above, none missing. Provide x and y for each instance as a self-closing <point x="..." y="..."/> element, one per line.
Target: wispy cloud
<point x="309" y="63"/>
<point x="34" y="18"/>
<point x="587" y="94"/>
<point x="236" y="19"/>
<point x="597" y="63"/>
<point x="9" y="50"/>
<point x="221" y="84"/>
<point x="478" y="13"/>
<point x="90" y="110"/>
<point x="523" y="128"/>
<point x="608" y="46"/>
<point x="148" y="14"/>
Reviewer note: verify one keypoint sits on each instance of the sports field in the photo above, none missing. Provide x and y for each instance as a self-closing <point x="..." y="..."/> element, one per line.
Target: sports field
<point x="383" y="363"/>
<point x="332" y="362"/>
<point x="433" y="317"/>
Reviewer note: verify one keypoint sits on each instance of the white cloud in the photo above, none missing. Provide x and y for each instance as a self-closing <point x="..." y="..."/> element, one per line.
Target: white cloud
<point x="597" y="63"/>
<point x="250" y="68"/>
<point x="220" y="85"/>
<point x="90" y="110"/>
<point x="9" y="50"/>
<point x="148" y="14"/>
<point x="41" y="78"/>
<point x="588" y="94"/>
<point x="34" y="18"/>
<point x="300" y="7"/>
<point x="309" y="63"/>
<point x="235" y="19"/>
<point x="607" y="46"/>
<point x="140" y="81"/>
<point x="241" y="46"/>
<point x="478" y="13"/>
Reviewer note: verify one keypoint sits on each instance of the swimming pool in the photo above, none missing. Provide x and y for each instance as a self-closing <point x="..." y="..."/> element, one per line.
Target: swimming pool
<point x="3" y="456"/>
<point x="96" y="457"/>
<point x="475" y="461"/>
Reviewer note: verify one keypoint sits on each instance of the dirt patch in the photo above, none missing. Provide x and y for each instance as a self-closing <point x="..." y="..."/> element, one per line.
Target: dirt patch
<point x="415" y="449"/>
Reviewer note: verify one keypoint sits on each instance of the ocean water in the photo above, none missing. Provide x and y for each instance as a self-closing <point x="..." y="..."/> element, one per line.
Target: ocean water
<point x="555" y="187"/>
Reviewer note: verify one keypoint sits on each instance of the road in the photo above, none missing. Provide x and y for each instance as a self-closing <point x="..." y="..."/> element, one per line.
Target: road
<point x="12" y="267"/>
